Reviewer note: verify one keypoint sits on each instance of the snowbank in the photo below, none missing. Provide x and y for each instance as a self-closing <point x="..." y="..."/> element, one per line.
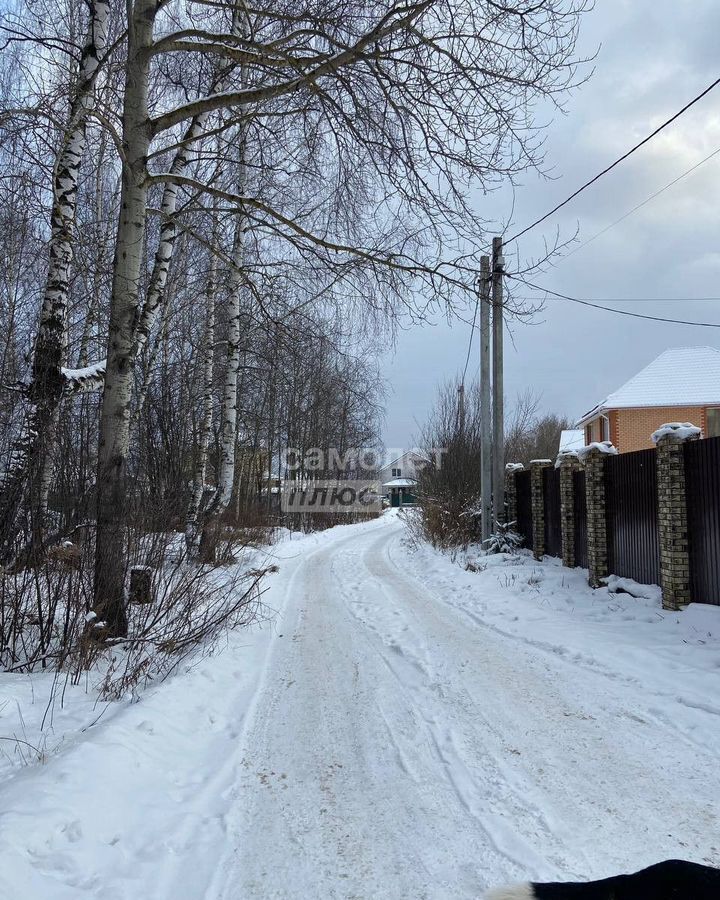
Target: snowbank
<point x="620" y="630"/>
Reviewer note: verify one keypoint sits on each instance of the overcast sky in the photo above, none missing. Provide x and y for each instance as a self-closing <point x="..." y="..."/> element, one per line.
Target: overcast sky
<point x="655" y="55"/>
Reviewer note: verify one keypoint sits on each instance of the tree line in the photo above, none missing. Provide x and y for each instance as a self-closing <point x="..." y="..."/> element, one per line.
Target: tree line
<point x="449" y="494"/>
<point x="213" y="214"/>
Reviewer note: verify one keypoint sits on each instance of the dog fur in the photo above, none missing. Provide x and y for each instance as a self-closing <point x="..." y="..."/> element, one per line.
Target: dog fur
<point x="674" y="879"/>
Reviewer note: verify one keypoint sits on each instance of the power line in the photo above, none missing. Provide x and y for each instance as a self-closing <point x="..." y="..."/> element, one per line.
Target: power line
<point x="644" y="203"/>
<point x="617" y="161"/>
<point x="624" y="299"/>
<point x="472" y="333"/>
<point x="619" y="312"/>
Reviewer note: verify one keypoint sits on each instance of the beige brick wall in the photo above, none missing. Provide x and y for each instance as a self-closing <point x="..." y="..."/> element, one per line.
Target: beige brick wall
<point x="633" y="427"/>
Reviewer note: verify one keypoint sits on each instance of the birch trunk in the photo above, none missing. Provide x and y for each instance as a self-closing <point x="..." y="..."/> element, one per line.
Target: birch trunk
<point x="30" y="466"/>
<point x="191" y="529"/>
<point x="115" y="416"/>
<point x="168" y="236"/>
<point x="228" y="430"/>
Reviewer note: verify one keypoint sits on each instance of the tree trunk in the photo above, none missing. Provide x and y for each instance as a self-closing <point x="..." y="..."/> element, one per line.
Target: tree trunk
<point x="203" y="441"/>
<point x="115" y="417"/>
<point x="228" y="435"/>
<point x="30" y="467"/>
<point x="168" y="236"/>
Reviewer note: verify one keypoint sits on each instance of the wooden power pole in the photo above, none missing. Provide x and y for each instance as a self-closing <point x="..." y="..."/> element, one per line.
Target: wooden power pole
<point x="485" y="406"/>
<point x="498" y="448"/>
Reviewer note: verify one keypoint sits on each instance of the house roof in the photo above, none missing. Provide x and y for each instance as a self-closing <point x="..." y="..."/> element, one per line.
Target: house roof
<point x="416" y="453"/>
<point x="681" y="376"/>
<point x="400" y="482"/>
<point x="571" y="439"/>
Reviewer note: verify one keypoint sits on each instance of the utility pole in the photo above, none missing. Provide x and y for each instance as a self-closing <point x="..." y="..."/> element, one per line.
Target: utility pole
<point x="485" y="407"/>
<point x="498" y="264"/>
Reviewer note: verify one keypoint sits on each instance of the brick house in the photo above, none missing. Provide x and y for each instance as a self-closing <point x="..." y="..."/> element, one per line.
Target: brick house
<point x="681" y="385"/>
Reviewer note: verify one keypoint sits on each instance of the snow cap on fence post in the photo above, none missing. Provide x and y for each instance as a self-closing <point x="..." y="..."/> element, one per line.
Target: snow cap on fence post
<point x="599" y="448"/>
<point x="537" y="494"/>
<point x="511" y="470"/>
<point x="593" y="457"/>
<point x="676" y="433"/>
<point x="672" y="512"/>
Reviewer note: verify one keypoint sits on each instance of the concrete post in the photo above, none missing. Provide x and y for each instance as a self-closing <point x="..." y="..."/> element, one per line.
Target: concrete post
<point x="672" y="515"/>
<point x="537" y="493"/>
<point x="569" y="464"/>
<point x="594" y="461"/>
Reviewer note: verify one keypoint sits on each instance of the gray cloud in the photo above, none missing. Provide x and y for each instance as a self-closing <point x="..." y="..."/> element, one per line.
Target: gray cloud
<point x="655" y="56"/>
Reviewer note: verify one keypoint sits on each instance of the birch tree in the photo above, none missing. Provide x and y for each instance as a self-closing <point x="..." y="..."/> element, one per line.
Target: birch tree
<point x="365" y="129"/>
<point x="28" y="466"/>
<point x="205" y="428"/>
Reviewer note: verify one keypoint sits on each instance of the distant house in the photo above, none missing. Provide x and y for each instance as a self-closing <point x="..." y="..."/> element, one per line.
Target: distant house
<point x="681" y="385"/>
<point x="571" y="439"/>
<point x="398" y="477"/>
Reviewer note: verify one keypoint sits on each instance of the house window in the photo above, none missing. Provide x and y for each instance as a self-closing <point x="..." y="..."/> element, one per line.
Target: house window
<point x="605" y="425"/>
<point x="713" y="422"/>
<point x="396" y="473"/>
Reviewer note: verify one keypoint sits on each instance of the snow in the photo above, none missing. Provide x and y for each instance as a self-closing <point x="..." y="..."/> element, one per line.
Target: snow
<point x="514" y="467"/>
<point x="400" y="482"/>
<point x="681" y="376"/>
<point x="601" y="446"/>
<point x="680" y="431"/>
<point x="86" y="372"/>
<point x="540" y="461"/>
<point x="88" y="377"/>
<point x="616" y="584"/>
<point x="406" y="728"/>
<point x="563" y="455"/>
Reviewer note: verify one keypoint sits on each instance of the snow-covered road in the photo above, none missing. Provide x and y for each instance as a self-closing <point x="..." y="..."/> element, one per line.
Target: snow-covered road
<point x="389" y="744"/>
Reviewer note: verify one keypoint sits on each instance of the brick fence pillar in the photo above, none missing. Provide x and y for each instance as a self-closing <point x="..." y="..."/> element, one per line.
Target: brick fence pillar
<point x="594" y="461"/>
<point x="537" y="492"/>
<point x="568" y="465"/>
<point x="672" y="516"/>
<point x="511" y="470"/>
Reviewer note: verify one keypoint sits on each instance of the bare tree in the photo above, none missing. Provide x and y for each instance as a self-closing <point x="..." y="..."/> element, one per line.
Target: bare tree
<point x="338" y="151"/>
<point x="531" y="434"/>
<point x="29" y="467"/>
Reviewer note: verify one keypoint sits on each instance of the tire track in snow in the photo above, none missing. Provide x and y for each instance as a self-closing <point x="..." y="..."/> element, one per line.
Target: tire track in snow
<point x="400" y="750"/>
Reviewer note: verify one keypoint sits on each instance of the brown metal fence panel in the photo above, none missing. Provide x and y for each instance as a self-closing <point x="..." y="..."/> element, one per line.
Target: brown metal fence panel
<point x="631" y="509"/>
<point x="524" y="507"/>
<point x="580" y="519"/>
<point x="702" y="485"/>
<point x="553" y="533"/>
